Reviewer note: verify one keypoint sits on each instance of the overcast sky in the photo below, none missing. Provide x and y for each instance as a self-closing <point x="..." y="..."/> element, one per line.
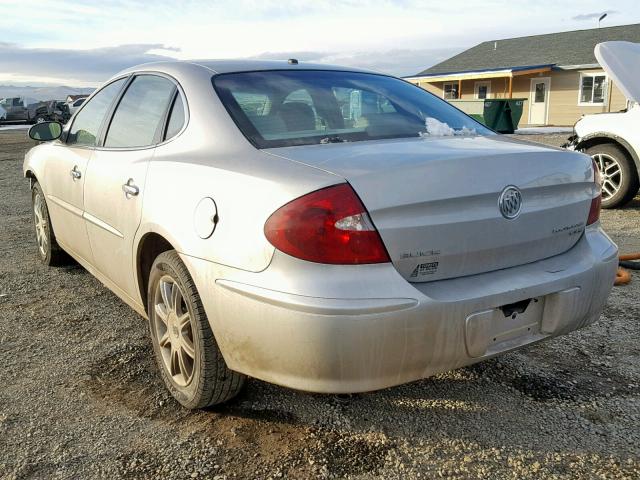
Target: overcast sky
<point x="82" y="43"/>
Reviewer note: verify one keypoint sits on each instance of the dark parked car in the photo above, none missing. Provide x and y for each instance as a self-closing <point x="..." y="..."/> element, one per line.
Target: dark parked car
<point x="51" y="110"/>
<point x="19" y="109"/>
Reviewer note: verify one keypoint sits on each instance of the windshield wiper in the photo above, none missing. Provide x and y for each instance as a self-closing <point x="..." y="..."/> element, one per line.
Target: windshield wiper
<point x="332" y="139"/>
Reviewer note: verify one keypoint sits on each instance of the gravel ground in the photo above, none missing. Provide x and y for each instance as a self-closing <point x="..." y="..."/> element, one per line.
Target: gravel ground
<point x="80" y="397"/>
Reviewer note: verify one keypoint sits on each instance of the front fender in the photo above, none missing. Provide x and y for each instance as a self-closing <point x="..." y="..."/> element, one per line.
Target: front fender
<point x="33" y="164"/>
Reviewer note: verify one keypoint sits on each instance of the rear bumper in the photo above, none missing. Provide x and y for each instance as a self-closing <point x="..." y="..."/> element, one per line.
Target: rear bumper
<point x="337" y="329"/>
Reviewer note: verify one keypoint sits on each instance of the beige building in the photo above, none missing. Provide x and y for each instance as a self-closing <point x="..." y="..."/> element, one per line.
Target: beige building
<point x="557" y="74"/>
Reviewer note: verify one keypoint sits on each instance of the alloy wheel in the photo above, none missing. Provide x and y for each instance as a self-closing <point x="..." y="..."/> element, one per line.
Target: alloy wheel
<point x="610" y="174"/>
<point x="174" y="331"/>
<point x="42" y="230"/>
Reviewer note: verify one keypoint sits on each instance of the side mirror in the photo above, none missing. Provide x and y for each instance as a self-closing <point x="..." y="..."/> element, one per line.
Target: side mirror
<point x="45" y="131"/>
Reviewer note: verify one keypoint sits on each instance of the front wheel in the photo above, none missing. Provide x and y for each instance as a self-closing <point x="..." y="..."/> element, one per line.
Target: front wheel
<point x="50" y="252"/>
<point x="186" y="351"/>
<point x="618" y="173"/>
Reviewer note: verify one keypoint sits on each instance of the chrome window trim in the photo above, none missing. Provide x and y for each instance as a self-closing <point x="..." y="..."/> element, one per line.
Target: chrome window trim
<point x="109" y="116"/>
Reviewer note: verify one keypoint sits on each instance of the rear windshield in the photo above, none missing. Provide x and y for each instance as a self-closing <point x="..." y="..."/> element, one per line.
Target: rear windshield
<point x="304" y="107"/>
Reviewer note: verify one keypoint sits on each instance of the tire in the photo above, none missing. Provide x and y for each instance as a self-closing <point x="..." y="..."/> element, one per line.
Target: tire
<point x="185" y="349"/>
<point x="49" y="251"/>
<point x="620" y="186"/>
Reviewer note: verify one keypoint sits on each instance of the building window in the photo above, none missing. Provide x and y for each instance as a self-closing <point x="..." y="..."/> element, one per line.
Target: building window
<point x="450" y="91"/>
<point x="593" y="88"/>
<point x="482" y="90"/>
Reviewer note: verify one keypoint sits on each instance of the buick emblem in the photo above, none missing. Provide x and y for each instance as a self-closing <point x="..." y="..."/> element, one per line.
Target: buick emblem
<point x="510" y="202"/>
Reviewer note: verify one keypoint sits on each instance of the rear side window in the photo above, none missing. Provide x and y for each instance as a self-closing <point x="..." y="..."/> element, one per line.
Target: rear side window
<point x="86" y="126"/>
<point x="176" y="118"/>
<point x="139" y="116"/>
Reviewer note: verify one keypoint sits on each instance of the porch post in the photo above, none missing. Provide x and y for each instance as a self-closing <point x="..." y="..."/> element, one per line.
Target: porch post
<point x="510" y="86"/>
<point x="460" y="88"/>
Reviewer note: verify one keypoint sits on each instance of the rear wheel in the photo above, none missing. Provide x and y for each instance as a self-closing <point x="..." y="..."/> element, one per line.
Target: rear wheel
<point x="186" y="351"/>
<point x="50" y="252"/>
<point x="618" y="173"/>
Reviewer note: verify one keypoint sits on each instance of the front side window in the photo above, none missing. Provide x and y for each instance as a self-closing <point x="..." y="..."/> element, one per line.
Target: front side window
<point x="592" y="88"/>
<point x="450" y="91"/>
<point x="254" y="104"/>
<point x="139" y="116"/>
<point x="304" y="107"/>
<point x="86" y="126"/>
<point x="355" y="104"/>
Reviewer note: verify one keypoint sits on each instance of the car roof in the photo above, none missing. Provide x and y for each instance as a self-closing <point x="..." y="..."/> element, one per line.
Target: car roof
<point x="235" y="66"/>
<point x="229" y="66"/>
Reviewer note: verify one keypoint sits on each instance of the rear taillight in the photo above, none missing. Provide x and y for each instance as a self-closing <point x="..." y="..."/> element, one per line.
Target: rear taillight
<point x="594" y="211"/>
<point x="326" y="226"/>
<point x="597" y="176"/>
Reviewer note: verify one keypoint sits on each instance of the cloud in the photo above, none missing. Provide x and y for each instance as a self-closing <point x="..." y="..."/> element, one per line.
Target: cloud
<point x="76" y="67"/>
<point x="400" y="62"/>
<point x="400" y="37"/>
<point x="241" y="28"/>
<point x="594" y="15"/>
<point x="94" y="66"/>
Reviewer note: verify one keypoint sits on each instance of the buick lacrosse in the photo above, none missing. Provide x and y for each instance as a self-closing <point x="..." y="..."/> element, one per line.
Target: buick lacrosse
<point x="322" y="228"/>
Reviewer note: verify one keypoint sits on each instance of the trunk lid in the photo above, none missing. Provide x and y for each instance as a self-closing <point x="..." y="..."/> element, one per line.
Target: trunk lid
<point x="435" y="200"/>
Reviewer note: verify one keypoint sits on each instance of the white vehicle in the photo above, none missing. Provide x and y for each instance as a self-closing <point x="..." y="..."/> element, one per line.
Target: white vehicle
<point x="16" y="109"/>
<point x="76" y="104"/>
<point x="613" y="139"/>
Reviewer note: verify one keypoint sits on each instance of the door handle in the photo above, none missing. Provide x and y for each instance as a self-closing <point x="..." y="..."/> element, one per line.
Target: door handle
<point x="75" y="173"/>
<point x="130" y="189"/>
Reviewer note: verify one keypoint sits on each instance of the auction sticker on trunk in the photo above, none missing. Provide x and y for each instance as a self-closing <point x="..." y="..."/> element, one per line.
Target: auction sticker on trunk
<point x="424" y="269"/>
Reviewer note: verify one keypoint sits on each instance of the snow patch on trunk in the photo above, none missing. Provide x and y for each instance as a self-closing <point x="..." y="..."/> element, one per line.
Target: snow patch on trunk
<point x="436" y="128"/>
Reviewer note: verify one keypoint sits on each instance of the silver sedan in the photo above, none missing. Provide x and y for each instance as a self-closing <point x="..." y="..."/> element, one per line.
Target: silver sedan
<point x="321" y="228"/>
